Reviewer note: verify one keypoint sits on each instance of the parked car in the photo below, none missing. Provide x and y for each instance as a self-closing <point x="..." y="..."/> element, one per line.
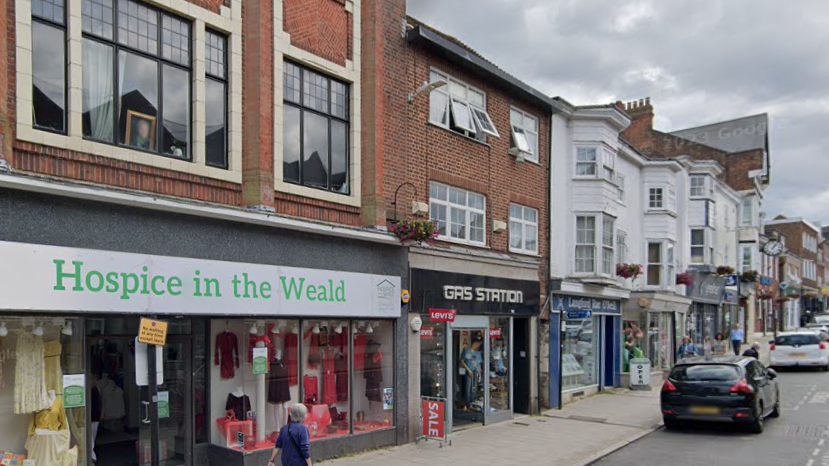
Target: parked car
<point x="731" y="389"/>
<point x="799" y="349"/>
<point x="823" y="329"/>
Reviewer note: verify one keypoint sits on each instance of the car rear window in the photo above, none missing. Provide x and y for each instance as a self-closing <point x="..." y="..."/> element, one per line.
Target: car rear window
<point x="797" y="340"/>
<point x="705" y="373"/>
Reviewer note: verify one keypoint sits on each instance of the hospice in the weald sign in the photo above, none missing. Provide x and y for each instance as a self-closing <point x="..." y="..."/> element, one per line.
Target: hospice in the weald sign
<point x="74" y="277"/>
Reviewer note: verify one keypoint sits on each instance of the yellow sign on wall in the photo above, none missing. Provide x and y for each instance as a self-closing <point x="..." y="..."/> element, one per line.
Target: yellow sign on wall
<point x="825" y="291"/>
<point x="152" y="332"/>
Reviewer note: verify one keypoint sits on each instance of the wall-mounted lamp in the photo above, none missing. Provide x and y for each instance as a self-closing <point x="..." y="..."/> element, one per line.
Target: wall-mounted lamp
<point x="416" y="324"/>
<point x="499" y="226"/>
<point x="426" y="88"/>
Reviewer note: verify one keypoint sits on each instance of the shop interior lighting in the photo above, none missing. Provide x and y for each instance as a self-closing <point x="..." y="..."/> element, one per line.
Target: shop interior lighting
<point x="369" y="329"/>
<point x="275" y="329"/>
<point x="339" y="328"/>
<point x="316" y="329"/>
<point x="4" y="331"/>
<point x="295" y="329"/>
<point x="67" y="328"/>
<point x="38" y="330"/>
<point x="253" y="329"/>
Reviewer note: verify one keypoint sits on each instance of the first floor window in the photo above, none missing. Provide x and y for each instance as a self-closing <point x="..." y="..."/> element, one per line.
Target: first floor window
<point x="215" y="52"/>
<point x="585" y="244"/>
<point x="460" y="214"/>
<point x="697" y="246"/>
<point x="747" y="211"/>
<point x="49" y="65"/>
<point x="315" y="130"/>
<point x="621" y="247"/>
<point x="608" y="267"/>
<point x="656" y="198"/>
<point x="746" y="259"/>
<point x="620" y="183"/>
<point x="609" y="166"/>
<point x="593" y="256"/>
<point x="697" y="185"/>
<point x="586" y="161"/>
<point x="136" y="77"/>
<point x="661" y="263"/>
<point x="523" y="229"/>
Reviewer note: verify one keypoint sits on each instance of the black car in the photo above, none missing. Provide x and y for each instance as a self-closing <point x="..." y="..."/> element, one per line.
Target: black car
<point x="735" y="389"/>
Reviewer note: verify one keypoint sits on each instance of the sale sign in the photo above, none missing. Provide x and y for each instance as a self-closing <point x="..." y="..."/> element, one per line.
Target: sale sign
<point x="442" y="315"/>
<point x="433" y="419"/>
<point x="427" y="333"/>
<point x="495" y="332"/>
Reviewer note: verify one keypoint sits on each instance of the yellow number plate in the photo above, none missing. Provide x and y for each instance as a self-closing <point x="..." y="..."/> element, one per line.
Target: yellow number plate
<point x="704" y="410"/>
<point x="797" y="355"/>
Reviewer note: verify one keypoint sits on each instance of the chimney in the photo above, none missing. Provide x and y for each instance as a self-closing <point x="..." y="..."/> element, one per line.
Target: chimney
<point x="641" y="112"/>
<point x="640" y="131"/>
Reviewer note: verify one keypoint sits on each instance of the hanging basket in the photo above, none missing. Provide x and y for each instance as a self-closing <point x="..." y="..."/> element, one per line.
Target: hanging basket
<point x="418" y="231"/>
<point x="725" y="270"/>
<point x="629" y="270"/>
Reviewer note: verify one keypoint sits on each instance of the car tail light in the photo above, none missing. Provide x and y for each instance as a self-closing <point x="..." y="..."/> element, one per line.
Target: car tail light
<point x="822" y="345"/>
<point x="668" y="386"/>
<point x="742" y="387"/>
<point x="771" y="347"/>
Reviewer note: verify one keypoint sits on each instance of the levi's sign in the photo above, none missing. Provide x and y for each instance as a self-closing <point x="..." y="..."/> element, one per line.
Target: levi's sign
<point x="442" y="315"/>
<point x="50" y="278"/>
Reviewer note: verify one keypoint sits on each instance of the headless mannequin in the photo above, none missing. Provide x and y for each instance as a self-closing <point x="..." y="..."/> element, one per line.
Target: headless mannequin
<point x="278" y="408"/>
<point x="239" y="392"/>
<point x="52" y="396"/>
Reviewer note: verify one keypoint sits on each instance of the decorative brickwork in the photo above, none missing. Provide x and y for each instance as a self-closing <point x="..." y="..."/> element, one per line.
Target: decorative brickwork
<point x="322" y="27"/>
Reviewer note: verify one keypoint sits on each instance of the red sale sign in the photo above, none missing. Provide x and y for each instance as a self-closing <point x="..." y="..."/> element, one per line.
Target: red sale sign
<point x="495" y="332"/>
<point x="442" y="315"/>
<point x="427" y="332"/>
<point x="433" y="419"/>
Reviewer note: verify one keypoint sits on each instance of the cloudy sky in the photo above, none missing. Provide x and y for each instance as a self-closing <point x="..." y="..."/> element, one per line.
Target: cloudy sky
<point x="700" y="62"/>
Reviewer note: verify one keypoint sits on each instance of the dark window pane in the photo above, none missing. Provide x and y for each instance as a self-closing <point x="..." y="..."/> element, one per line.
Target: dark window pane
<point x="290" y="144"/>
<point x="339" y="100"/>
<point x="48" y="9"/>
<point x="98" y="103"/>
<point x="705" y="373"/>
<point x="291" y="79"/>
<point x="139" y="101"/>
<point x="315" y="150"/>
<point x="215" y="129"/>
<point x="138" y="26"/>
<point x="48" y="76"/>
<point x="175" y="135"/>
<point x="315" y="90"/>
<point x="339" y="157"/>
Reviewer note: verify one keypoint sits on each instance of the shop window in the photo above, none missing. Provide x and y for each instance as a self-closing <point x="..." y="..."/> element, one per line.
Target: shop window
<point x="660" y="336"/>
<point x="433" y="360"/>
<point x="315" y="130"/>
<point x="34" y="351"/>
<point x="49" y="65"/>
<point x="325" y="377"/>
<point x="151" y="50"/>
<point x="235" y="391"/>
<point x="585" y="244"/>
<point x="633" y="340"/>
<point x="499" y="363"/>
<point x="373" y="366"/>
<point x="579" y="357"/>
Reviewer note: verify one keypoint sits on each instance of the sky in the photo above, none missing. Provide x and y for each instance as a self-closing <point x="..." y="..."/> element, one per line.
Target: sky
<point x="699" y="61"/>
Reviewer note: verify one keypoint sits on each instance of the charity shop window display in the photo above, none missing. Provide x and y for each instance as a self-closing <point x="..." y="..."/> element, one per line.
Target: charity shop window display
<point x="254" y="377"/>
<point x="43" y="412"/>
<point x="325" y="377"/>
<point x="373" y="366"/>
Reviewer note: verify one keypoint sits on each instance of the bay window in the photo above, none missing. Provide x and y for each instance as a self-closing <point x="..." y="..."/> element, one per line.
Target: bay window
<point x="698" y="246"/>
<point x="49" y="65"/>
<point x="656" y="198"/>
<point x="609" y="166"/>
<point x="697" y="185"/>
<point x="746" y="258"/>
<point x="660" y="267"/>
<point x="460" y="214"/>
<point x="621" y="247"/>
<point x="620" y="183"/>
<point x="142" y="56"/>
<point x="747" y="211"/>
<point x="591" y="256"/>
<point x="586" y="161"/>
<point x="523" y="229"/>
<point x="315" y="130"/>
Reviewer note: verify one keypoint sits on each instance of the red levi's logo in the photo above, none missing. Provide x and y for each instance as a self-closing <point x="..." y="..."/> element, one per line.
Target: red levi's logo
<point x="495" y="332"/>
<point x="427" y="333"/>
<point x="442" y="315"/>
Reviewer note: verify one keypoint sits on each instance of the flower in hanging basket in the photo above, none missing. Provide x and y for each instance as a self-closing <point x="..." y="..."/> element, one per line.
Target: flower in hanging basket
<point x="684" y="279"/>
<point x="628" y="270"/>
<point x="725" y="270"/>
<point x="749" y="276"/>
<point x="419" y="231"/>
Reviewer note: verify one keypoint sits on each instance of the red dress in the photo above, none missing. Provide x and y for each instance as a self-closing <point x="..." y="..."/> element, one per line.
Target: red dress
<point x="228" y="347"/>
<point x="291" y="356"/>
<point x="329" y="384"/>
<point x="310" y="384"/>
<point x="360" y="342"/>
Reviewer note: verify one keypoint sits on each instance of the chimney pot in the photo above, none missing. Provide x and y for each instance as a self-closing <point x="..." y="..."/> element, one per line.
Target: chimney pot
<point x="647" y="100"/>
<point x="641" y="102"/>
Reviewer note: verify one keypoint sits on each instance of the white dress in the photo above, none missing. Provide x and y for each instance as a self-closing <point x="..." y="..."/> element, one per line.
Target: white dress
<point x="30" y="375"/>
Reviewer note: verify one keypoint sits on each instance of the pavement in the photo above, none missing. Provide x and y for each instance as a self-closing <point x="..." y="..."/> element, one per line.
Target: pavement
<point x="579" y="434"/>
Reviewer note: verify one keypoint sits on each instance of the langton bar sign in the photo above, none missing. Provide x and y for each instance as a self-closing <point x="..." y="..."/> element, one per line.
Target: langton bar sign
<point x="442" y="315"/>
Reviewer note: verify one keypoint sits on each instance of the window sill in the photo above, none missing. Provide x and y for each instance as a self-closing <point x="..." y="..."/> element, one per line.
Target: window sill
<point x="661" y="212"/>
<point x="444" y="128"/>
<point x="461" y="242"/>
<point x="525" y="253"/>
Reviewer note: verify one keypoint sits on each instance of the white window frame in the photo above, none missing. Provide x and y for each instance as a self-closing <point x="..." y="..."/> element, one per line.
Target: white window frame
<point x="477" y="122"/>
<point x="586" y="162"/>
<point x="621" y="247"/>
<point x="656" y="194"/>
<point x="523" y="134"/>
<point x="599" y="247"/>
<point x="666" y="264"/>
<point x="747" y="211"/>
<point x="697" y="189"/>
<point x="609" y="166"/>
<point x="465" y="208"/>
<point x="524" y="225"/>
<point x="746" y="257"/>
<point x="703" y="246"/>
<point x="620" y="184"/>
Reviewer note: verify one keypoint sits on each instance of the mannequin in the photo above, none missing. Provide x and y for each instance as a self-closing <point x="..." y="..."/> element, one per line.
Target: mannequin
<point x="278" y="388"/>
<point x="239" y="392"/>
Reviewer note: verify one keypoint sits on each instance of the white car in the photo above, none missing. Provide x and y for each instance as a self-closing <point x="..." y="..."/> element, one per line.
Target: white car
<point x="822" y="328"/>
<point x="799" y="349"/>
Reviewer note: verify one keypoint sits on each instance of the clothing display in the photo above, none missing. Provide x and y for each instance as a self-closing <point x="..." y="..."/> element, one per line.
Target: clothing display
<point x="112" y="399"/>
<point x="373" y="372"/>
<point x="53" y="418"/>
<point x="341" y="372"/>
<point x="239" y="404"/>
<point x="50" y="448"/>
<point x="278" y="389"/>
<point x="253" y="340"/>
<point x="360" y="341"/>
<point x="329" y="384"/>
<point x="30" y="375"/>
<point x="310" y="384"/>
<point x="314" y="354"/>
<point x="227" y="346"/>
<point x="291" y="357"/>
<point x="54" y="375"/>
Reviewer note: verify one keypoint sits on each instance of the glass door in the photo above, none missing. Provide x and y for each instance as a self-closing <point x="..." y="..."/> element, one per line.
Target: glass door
<point x="469" y="389"/>
<point x="499" y="370"/>
<point x="175" y="420"/>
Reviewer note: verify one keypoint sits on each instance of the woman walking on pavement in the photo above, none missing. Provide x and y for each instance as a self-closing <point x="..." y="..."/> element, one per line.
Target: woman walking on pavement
<point x="737" y="337"/>
<point x="718" y="347"/>
<point x="294" y="440"/>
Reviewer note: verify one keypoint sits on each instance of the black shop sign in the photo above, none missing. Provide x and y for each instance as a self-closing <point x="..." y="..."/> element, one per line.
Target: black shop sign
<point x="473" y="294"/>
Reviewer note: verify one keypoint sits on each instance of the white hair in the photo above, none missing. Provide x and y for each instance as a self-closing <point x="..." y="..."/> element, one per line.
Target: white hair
<point x="298" y="412"/>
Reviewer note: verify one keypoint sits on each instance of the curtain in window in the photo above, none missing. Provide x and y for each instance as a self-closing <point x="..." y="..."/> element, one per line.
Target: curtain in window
<point x="97" y="91"/>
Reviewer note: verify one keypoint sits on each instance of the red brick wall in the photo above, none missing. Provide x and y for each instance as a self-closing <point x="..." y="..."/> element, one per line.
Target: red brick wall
<point x="738" y="166"/>
<point x="794" y="243"/>
<point x="322" y="27"/>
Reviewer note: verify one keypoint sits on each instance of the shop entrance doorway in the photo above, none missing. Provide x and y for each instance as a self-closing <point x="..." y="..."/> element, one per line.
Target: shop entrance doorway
<point x="139" y="417"/>
<point x="469" y="389"/>
<point x="521" y="358"/>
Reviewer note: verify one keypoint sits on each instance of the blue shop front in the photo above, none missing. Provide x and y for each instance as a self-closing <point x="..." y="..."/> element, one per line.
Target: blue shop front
<point x="585" y="344"/>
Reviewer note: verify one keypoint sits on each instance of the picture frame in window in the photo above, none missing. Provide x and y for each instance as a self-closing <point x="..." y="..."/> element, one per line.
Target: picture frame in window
<point x="137" y="136"/>
<point x="484" y="121"/>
